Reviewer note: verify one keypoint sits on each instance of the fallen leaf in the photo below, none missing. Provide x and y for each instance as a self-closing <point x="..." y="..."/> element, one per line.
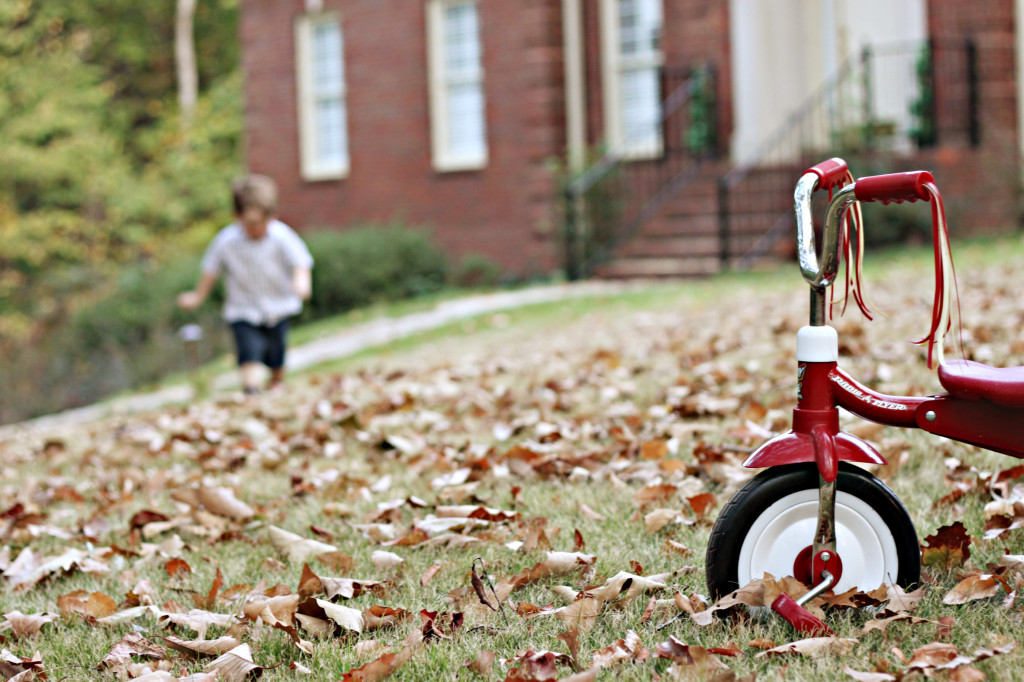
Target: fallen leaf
<point x="272" y="609"/>
<point x="348" y="618"/>
<point x="949" y="547"/>
<point x="482" y="664"/>
<point x="27" y="624"/>
<point x="694" y="660"/>
<point x="385" y="560"/>
<point x="881" y="624"/>
<point x="131" y="644"/>
<point x="349" y="588"/>
<point x="235" y="665"/>
<point x="378" y="616"/>
<point x="900" y="601"/>
<point x="536" y="666"/>
<point x="373" y="671"/>
<point x="429" y="574"/>
<point x="659" y="518"/>
<point x="199" y="620"/>
<point x="309" y="583"/>
<point x="932" y="655"/>
<point x="580" y="615"/>
<point x="974" y="587"/>
<point x="295" y="547"/>
<point x="202" y="647"/>
<point x="176" y="567"/>
<point x="814" y="647"/>
<point x="630" y="648"/>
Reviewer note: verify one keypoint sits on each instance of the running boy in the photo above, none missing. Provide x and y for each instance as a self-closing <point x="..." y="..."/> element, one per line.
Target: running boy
<point x="266" y="268"/>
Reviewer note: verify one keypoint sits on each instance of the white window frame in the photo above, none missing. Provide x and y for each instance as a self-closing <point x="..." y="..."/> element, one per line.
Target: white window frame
<point x="312" y="168"/>
<point x="613" y="65"/>
<point x="440" y="132"/>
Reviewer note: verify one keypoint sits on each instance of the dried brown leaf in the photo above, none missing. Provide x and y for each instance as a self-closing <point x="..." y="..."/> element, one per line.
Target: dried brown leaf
<point x="949" y="547"/>
<point x="581" y="614"/>
<point x="630" y="648"/>
<point x="295" y="547"/>
<point x="27" y="624"/>
<point x="974" y="587"/>
<point x="482" y="664"/>
<point x="131" y="644"/>
<point x="814" y="647"/>
<point x="235" y="665"/>
<point x="195" y="648"/>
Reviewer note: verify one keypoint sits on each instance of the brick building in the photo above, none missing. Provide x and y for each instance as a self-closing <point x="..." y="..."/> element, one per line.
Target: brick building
<point x="466" y="116"/>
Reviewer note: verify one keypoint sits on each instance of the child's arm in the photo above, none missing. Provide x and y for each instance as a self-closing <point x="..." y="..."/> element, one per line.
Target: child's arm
<point x="302" y="283"/>
<point x="190" y="300"/>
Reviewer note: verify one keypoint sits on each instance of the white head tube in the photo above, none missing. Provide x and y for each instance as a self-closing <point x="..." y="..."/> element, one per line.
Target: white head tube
<point x="817" y="344"/>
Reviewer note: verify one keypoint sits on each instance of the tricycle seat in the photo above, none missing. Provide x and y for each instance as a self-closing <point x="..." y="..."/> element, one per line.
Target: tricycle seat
<point x="975" y="381"/>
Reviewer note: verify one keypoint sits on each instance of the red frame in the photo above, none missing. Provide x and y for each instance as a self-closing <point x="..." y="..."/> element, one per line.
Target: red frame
<point x="823" y="387"/>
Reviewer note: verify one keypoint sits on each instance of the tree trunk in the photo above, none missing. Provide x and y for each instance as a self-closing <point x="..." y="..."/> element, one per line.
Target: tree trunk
<point x="185" y="61"/>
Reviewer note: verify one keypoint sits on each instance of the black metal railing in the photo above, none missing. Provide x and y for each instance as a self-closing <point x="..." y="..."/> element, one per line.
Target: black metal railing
<point x="889" y="100"/>
<point x="613" y="198"/>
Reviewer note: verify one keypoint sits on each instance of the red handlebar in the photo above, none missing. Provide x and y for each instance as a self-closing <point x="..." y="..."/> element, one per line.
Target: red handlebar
<point x="831" y="173"/>
<point x="898" y="187"/>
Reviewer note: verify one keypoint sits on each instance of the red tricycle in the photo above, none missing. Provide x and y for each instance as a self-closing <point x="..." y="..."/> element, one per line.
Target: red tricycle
<point x="812" y="514"/>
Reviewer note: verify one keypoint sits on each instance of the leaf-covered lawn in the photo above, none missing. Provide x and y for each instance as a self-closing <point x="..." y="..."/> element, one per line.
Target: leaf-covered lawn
<point x="526" y="499"/>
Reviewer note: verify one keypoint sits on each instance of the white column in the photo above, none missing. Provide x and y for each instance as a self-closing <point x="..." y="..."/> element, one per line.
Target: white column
<point x="575" y="99"/>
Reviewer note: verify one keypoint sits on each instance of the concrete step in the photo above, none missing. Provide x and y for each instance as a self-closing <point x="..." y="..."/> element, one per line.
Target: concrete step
<point x="665" y="225"/>
<point x="671" y="247"/>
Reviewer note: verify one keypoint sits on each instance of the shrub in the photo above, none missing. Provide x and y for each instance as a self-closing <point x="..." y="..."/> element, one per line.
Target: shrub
<point x="475" y="270"/>
<point x="365" y="265"/>
<point x="129" y="337"/>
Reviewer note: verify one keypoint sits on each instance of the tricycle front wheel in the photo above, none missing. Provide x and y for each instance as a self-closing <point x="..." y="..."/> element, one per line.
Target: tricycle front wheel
<point x="771" y="520"/>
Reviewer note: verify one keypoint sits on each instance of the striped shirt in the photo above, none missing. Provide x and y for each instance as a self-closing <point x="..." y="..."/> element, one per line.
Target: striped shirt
<point x="258" y="273"/>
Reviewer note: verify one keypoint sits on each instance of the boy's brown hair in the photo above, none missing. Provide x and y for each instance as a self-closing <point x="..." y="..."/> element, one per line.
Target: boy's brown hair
<point x="254" y="191"/>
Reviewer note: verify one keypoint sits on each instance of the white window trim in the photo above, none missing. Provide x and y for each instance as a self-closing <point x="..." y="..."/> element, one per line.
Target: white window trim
<point x="611" y="78"/>
<point x="311" y="170"/>
<point x="439" y="121"/>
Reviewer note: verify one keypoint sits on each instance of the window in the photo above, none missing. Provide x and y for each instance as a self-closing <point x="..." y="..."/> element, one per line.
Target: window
<point x="323" y="120"/>
<point x="457" y="118"/>
<point x="632" y="75"/>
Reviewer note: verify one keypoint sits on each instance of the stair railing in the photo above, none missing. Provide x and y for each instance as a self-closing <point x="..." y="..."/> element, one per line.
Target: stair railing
<point x="880" y="103"/>
<point x="609" y="201"/>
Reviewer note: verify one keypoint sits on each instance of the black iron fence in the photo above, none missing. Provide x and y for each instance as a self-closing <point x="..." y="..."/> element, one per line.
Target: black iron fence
<point x="889" y="100"/>
<point x="609" y="201"/>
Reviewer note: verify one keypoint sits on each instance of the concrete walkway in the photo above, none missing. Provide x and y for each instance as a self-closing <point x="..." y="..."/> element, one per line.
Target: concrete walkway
<point x="342" y="344"/>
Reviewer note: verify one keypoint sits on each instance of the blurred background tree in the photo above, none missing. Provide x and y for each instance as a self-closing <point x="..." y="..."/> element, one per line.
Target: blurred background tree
<point x="97" y="168"/>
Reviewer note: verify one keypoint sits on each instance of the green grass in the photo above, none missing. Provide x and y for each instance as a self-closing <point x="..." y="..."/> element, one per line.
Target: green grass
<point x="544" y="363"/>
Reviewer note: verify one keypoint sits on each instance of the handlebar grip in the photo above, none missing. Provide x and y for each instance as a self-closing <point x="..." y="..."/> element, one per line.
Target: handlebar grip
<point x="831" y="173"/>
<point x="898" y="187"/>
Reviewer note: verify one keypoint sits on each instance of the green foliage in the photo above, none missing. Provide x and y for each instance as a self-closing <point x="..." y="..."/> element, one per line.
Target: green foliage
<point x="922" y="109"/>
<point x="365" y="265"/>
<point x="125" y="339"/>
<point x="97" y="174"/>
<point x="476" y="270"/>
<point x="701" y="134"/>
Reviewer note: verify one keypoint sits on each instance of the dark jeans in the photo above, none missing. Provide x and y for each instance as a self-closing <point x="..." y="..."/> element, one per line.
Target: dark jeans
<point x="260" y="343"/>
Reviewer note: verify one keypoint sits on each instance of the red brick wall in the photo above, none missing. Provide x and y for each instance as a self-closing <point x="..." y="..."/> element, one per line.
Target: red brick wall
<point x="505" y="212"/>
<point x="979" y="183"/>
<point x="696" y="33"/>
